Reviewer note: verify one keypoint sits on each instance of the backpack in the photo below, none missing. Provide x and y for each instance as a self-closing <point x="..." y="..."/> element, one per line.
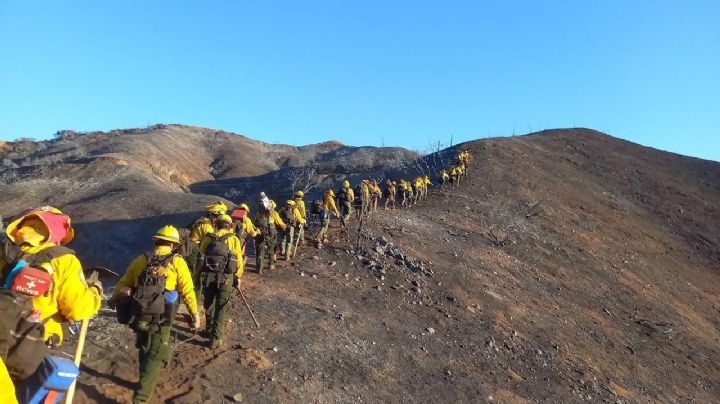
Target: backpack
<point x="187" y="249"/>
<point x="218" y="258"/>
<point x="147" y="302"/>
<point x="266" y="223"/>
<point x="22" y="334"/>
<point x="288" y="217"/>
<point x="317" y="207"/>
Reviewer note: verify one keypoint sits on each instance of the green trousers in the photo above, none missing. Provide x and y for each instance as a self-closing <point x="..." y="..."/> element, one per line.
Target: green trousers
<point x="216" y="300"/>
<point x="324" y="229"/>
<point x="154" y="351"/>
<point x="345" y="211"/>
<point x="286" y="244"/>
<point x="266" y="252"/>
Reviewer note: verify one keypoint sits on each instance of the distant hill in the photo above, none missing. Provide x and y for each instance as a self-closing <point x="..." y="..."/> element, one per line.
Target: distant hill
<point x="119" y="186"/>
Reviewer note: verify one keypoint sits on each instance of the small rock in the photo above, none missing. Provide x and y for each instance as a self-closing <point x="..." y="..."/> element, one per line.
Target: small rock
<point x="430" y="330"/>
<point x="451" y="298"/>
<point x="314" y="276"/>
<point x="332" y="264"/>
<point x="315" y="258"/>
<point x="238" y="397"/>
<point x="378" y="288"/>
<point x="302" y="273"/>
<point x="470" y="309"/>
<point x="275" y="349"/>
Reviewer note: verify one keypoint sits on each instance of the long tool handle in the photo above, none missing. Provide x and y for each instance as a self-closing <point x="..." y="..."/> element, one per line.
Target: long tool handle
<point x="248" y="307"/>
<point x="297" y="241"/>
<point x="79" y="350"/>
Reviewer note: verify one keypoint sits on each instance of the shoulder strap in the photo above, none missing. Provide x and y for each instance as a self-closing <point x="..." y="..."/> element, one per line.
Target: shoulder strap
<point x="49" y="254"/>
<point x="225" y="236"/>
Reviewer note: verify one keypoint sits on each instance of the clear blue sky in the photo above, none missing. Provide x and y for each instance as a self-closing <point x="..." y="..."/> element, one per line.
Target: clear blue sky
<point x="366" y="72"/>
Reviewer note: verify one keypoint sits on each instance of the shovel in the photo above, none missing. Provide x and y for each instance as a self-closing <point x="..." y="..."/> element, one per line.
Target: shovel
<point x="83" y="335"/>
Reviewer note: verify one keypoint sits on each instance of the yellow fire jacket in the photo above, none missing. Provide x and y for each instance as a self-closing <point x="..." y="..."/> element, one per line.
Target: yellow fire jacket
<point x="70" y="300"/>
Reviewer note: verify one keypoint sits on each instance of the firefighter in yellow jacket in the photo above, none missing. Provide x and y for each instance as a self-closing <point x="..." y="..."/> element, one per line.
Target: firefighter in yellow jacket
<point x="168" y="271"/>
<point x="37" y="236"/>
<point x="300" y="203"/>
<point x="221" y="271"/>
<point x="268" y="222"/>
<point x="206" y="224"/>
<point x="329" y="207"/>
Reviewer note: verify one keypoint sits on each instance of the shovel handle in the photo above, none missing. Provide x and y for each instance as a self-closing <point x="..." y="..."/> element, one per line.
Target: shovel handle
<point x="79" y="349"/>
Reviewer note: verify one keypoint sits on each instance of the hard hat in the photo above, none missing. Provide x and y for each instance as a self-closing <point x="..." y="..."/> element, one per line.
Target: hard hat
<point x="168" y="233"/>
<point x="394" y="183"/>
<point x="346" y="183"/>
<point x="300" y="193"/>
<point x="218" y="208"/>
<point x="225" y="218"/>
<point x="331" y="192"/>
<point x="290" y="202"/>
<point x="244" y="206"/>
<point x="50" y="223"/>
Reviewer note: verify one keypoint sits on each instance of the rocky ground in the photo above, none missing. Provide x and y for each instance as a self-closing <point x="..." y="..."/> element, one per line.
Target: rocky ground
<point x="548" y="276"/>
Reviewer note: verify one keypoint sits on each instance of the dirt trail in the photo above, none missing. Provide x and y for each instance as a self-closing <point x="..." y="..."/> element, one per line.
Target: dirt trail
<point x="556" y="273"/>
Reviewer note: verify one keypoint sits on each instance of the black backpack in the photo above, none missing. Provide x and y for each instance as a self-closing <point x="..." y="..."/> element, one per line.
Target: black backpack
<point x="288" y="216"/>
<point x="218" y="258"/>
<point x="22" y="334"/>
<point x="148" y="297"/>
<point x="265" y="222"/>
<point x="188" y="250"/>
<point x="317" y="207"/>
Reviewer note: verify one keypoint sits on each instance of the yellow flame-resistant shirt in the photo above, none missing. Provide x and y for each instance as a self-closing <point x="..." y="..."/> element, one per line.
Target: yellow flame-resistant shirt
<point x="427" y="181"/>
<point x="298" y="216"/>
<point x="329" y="203"/>
<point x="71" y="298"/>
<point x="366" y="191"/>
<point x="201" y="228"/>
<point x="7" y="388"/>
<point x="234" y="245"/>
<point x="249" y="228"/>
<point x="300" y="204"/>
<point x="392" y="190"/>
<point x="178" y="277"/>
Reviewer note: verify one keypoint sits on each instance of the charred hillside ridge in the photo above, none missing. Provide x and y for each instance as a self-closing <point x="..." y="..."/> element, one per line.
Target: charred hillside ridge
<point x="569" y="266"/>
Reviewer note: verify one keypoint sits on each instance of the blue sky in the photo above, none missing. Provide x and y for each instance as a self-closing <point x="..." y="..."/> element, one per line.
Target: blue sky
<point x="403" y="73"/>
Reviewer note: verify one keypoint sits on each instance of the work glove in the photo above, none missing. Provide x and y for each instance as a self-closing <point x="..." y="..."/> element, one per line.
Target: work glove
<point x="195" y="321"/>
<point x="97" y="285"/>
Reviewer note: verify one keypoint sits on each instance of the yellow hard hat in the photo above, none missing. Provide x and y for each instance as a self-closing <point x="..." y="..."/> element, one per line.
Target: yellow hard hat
<point x="218" y="207"/>
<point x="330" y="192"/>
<point x="244" y="206"/>
<point x="224" y="218"/>
<point x="168" y="233"/>
<point x="300" y="193"/>
<point x="290" y="202"/>
<point x="346" y="183"/>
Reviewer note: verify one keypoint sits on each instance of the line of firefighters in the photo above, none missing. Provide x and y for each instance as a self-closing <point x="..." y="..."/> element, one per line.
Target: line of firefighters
<point x="42" y="284"/>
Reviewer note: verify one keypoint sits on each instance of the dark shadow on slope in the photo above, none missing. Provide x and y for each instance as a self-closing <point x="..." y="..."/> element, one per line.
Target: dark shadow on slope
<point x="115" y="243"/>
